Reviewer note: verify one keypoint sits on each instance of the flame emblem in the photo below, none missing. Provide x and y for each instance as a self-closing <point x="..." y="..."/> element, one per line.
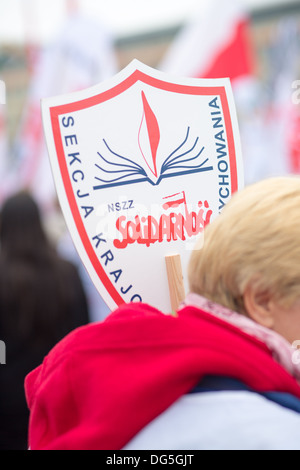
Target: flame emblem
<point x="149" y="136"/>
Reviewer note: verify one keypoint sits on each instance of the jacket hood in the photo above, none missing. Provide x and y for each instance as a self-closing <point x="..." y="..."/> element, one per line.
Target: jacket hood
<point x="106" y="381"/>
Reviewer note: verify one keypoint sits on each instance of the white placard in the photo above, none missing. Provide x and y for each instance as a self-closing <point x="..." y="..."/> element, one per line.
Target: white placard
<point x="141" y="164"/>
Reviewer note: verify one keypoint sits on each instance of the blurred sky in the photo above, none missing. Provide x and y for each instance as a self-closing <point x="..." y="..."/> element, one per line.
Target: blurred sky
<point x="38" y="20"/>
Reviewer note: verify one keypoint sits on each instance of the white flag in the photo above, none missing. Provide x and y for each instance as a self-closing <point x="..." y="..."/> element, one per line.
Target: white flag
<point x="82" y="56"/>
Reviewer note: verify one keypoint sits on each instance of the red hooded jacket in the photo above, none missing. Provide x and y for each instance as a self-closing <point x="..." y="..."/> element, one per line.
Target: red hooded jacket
<point x="105" y="382"/>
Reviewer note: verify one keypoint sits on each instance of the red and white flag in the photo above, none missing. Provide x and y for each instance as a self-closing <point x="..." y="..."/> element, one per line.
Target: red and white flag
<point x="82" y="56"/>
<point x="214" y="44"/>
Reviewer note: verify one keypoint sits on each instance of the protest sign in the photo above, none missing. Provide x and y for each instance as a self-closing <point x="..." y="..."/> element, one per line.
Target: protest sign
<point x="142" y="163"/>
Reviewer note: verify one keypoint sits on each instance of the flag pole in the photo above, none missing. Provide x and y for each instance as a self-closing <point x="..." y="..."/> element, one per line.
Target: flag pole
<point x="175" y="280"/>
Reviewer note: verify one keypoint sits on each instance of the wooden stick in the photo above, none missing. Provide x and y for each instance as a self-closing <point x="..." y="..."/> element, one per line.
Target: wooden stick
<point x="175" y="279"/>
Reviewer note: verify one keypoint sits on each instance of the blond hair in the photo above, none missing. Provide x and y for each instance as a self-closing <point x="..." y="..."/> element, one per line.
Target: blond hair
<point x="256" y="239"/>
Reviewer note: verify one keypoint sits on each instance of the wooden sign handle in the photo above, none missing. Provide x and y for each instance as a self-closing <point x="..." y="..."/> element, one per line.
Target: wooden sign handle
<point x="175" y="279"/>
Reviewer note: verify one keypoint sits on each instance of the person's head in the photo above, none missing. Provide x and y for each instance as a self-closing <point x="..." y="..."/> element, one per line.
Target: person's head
<point x="21" y="230"/>
<point x="250" y="260"/>
<point x="38" y="289"/>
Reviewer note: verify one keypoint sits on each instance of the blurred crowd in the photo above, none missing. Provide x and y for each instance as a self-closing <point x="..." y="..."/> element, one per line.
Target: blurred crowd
<point x="44" y="295"/>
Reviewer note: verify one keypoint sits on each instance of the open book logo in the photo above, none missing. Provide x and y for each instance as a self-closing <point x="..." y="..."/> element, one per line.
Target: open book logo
<point x="115" y="168"/>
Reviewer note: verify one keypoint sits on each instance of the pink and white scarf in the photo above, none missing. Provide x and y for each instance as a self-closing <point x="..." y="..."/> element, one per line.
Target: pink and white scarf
<point x="282" y="351"/>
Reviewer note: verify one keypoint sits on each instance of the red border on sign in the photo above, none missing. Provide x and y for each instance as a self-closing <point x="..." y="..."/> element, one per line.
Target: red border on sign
<point x="57" y="111"/>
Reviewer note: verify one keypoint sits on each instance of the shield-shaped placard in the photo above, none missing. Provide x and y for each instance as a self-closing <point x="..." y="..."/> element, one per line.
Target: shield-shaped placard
<point x="142" y="163"/>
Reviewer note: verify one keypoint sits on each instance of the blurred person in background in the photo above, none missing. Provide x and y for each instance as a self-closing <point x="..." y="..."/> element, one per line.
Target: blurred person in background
<point x="41" y="301"/>
<point x="224" y="373"/>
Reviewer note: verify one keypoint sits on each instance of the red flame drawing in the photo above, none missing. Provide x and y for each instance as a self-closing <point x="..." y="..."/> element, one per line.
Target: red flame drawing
<point x="149" y="120"/>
